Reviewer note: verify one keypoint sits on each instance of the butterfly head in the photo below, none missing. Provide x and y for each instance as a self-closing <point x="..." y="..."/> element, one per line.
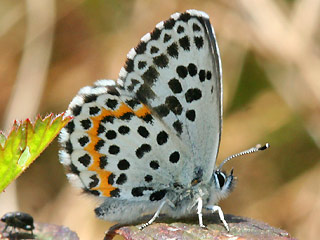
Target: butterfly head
<point x="222" y="184"/>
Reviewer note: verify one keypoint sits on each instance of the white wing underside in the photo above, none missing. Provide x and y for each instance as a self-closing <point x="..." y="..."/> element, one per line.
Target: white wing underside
<point x="176" y="72"/>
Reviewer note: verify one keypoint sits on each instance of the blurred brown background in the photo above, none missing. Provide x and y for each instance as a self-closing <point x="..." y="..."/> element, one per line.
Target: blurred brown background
<point x="271" y="67"/>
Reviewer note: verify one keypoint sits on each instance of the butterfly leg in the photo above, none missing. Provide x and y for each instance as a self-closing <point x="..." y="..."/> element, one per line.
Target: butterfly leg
<point x="218" y="209"/>
<point x="154" y="216"/>
<point x="199" y="208"/>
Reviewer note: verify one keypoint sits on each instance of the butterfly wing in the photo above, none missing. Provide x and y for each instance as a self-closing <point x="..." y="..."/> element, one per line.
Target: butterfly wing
<point x="176" y="71"/>
<point x="115" y="147"/>
<point x="159" y="126"/>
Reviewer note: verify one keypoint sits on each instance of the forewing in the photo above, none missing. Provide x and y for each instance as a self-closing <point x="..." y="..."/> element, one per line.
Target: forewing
<point x="176" y="71"/>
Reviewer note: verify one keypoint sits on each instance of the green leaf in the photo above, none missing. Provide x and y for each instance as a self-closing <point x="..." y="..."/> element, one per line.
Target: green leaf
<point x="25" y="143"/>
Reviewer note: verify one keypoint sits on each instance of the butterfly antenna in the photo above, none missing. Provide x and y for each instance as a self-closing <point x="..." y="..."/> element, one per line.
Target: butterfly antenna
<point x="248" y="151"/>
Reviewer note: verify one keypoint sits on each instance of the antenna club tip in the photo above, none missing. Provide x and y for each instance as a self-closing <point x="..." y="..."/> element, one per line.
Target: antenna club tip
<point x="264" y="147"/>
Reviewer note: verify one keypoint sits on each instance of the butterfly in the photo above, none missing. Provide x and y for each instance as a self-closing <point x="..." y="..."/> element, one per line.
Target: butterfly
<point x="148" y="142"/>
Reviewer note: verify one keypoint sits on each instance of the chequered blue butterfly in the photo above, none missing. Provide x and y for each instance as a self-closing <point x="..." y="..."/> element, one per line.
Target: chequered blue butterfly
<point x="148" y="142"/>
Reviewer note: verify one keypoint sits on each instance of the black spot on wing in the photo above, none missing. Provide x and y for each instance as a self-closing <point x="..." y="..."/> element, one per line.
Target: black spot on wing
<point x="198" y="41"/>
<point x="122" y="179"/>
<point x="174" y="157"/>
<point x="148" y="178"/>
<point x="86" y="124"/>
<point x="84" y="160"/>
<point x="111" y="178"/>
<point x="111" y="134"/>
<point x="99" y="145"/>
<point x="143" y="132"/>
<point x="101" y="129"/>
<point x="68" y="146"/>
<point x="162" y="110"/>
<point x="141" y="48"/>
<point x="196" y="27"/>
<point x="133" y="83"/>
<point x="193" y="94"/>
<point x="182" y="71"/>
<point x="112" y="103"/>
<point x="154" y="164"/>
<point x="154" y="50"/>
<point x="139" y="191"/>
<point x="169" y="24"/>
<point x="114" y="149"/>
<point x="192" y="69"/>
<point x="161" y="61"/>
<point x="144" y="148"/>
<point x="123" y="164"/>
<point x="150" y="76"/>
<point x="158" y="195"/>
<point x="209" y="75"/>
<point x="191" y="115"/>
<point x="142" y="64"/>
<point x="148" y="118"/>
<point x="155" y="34"/>
<point x="83" y="141"/>
<point x="90" y="98"/>
<point x="175" y="85"/>
<point x="76" y="110"/>
<point x="174" y="105"/>
<point x="94" y="110"/>
<point x="144" y="93"/>
<point x="108" y="119"/>
<point x="129" y="65"/>
<point x="185" y="17"/>
<point x="70" y="127"/>
<point x="93" y="192"/>
<point x="103" y="161"/>
<point x="127" y="116"/>
<point x="172" y="50"/>
<point x="132" y="103"/>
<point x="123" y="130"/>
<point x="202" y="75"/>
<point x="94" y="181"/>
<point x="177" y="125"/>
<point x="185" y="43"/>
<point x="180" y="29"/>
<point x="162" y="138"/>
<point x="166" y="38"/>
<point x="115" y="193"/>
<point x="112" y="90"/>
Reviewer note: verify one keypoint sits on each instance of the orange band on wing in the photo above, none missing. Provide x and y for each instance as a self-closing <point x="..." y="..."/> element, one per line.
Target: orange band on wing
<point x="123" y="109"/>
<point x="104" y="185"/>
<point x="143" y="111"/>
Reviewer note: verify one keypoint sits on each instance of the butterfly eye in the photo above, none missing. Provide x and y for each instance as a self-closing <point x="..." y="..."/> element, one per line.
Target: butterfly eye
<point x="221" y="178"/>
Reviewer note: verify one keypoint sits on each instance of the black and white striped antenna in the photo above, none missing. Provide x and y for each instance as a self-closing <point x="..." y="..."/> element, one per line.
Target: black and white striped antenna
<point x="248" y="151"/>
